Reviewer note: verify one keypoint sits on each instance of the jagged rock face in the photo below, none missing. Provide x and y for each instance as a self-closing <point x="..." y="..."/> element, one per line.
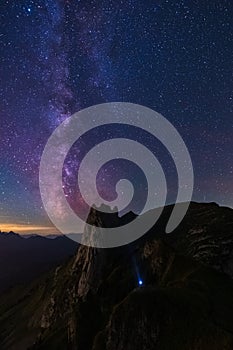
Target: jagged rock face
<point x="206" y="234"/>
<point x="143" y="320"/>
<point x="159" y="258"/>
<point x="94" y="301"/>
<point x="151" y="320"/>
<point x="91" y="261"/>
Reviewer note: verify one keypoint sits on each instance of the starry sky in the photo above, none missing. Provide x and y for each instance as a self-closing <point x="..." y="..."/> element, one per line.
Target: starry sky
<point x="58" y="57"/>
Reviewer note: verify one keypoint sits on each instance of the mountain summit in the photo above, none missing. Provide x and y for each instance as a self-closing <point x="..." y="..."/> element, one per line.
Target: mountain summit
<point x="161" y="292"/>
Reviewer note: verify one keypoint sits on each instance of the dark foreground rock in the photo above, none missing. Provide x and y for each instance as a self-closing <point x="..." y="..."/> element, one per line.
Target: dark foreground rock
<point x="95" y="301"/>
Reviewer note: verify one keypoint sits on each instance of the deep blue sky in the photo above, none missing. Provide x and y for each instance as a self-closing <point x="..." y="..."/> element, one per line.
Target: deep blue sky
<point x="58" y="57"/>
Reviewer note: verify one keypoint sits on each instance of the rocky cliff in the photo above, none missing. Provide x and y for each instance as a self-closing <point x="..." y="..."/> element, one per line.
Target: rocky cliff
<point x="160" y="292"/>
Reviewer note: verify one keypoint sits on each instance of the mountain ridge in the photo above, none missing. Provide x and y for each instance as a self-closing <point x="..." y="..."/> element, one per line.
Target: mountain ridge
<point x="23" y="259"/>
<point x="186" y="292"/>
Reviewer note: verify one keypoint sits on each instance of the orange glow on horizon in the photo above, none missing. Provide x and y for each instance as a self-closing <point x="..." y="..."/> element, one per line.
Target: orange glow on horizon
<point x="27" y="229"/>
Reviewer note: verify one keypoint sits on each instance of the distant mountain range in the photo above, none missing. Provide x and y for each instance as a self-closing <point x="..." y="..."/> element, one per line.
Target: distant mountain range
<point x="23" y="258"/>
<point x="162" y="292"/>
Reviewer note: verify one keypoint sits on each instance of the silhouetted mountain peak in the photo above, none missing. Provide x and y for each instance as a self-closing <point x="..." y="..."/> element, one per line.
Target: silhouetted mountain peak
<point x="9" y="234"/>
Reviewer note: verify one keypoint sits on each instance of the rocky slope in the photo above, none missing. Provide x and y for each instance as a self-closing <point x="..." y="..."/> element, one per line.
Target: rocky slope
<point x="95" y="301"/>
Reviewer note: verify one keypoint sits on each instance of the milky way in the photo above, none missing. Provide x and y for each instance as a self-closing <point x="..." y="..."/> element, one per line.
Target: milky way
<point x="61" y="56"/>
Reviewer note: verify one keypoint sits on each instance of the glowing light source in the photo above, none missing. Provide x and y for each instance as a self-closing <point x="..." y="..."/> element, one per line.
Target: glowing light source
<point x="140" y="282"/>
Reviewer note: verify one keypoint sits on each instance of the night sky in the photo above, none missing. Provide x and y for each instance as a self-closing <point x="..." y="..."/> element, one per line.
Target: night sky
<point x="58" y="57"/>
